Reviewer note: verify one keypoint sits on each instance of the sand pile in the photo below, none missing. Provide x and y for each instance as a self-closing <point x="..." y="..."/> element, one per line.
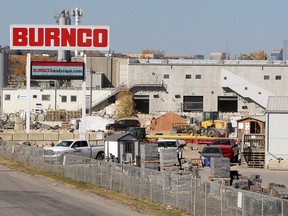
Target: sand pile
<point x="165" y="122"/>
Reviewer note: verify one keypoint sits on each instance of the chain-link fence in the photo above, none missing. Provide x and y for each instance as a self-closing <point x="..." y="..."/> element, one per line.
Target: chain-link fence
<point x="177" y="191"/>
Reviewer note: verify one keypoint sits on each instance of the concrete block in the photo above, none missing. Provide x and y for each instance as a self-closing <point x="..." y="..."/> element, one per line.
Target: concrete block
<point x="35" y="136"/>
<point x="149" y="151"/>
<point x="168" y="157"/>
<point x="20" y="136"/>
<point x="6" y="136"/>
<point x="51" y="136"/>
<point x="64" y="136"/>
<point x="95" y="135"/>
<point x="278" y="165"/>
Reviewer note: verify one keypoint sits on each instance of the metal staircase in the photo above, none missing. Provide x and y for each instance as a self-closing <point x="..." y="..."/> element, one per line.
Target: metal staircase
<point x="245" y="89"/>
<point x="101" y="102"/>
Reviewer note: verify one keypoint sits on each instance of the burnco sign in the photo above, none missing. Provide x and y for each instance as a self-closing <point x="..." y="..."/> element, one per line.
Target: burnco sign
<point x="55" y="37"/>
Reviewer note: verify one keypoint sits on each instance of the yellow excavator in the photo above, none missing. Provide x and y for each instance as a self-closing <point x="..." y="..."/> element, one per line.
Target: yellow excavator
<point x="210" y="126"/>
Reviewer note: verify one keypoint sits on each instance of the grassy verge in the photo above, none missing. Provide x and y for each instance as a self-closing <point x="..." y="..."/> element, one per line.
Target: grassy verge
<point x="143" y="206"/>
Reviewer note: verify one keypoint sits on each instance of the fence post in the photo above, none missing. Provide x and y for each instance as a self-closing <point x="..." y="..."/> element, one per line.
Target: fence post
<point x="191" y="193"/>
<point x="2" y="147"/>
<point x="177" y="191"/>
<point x="151" y="182"/>
<point x="101" y="176"/>
<point x="111" y="177"/>
<point x="262" y="206"/>
<point x="92" y="174"/>
<point x="205" y="192"/>
<point x="164" y="191"/>
<point x="243" y="204"/>
<point x="195" y="190"/>
<point x="120" y="184"/>
<point x="129" y="178"/>
<point x="282" y="208"/>
<point x="140" y="188"/>
<point x="221" y="198"/>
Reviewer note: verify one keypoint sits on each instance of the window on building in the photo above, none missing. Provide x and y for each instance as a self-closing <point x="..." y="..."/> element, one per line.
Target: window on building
<point x="166" y="76"/>
<point x="7" y="97"/>
<point x="198" y="76"/>
<point x="34" y="96"/>
<point x="64" y="98"/>
<point x="277" y="77"/>
<point x="128" y="147"/>
<point x="45" y="97"/>
<point x="266" y="77"/>
<point x="52" y="83"/>
<point x="188" y="76"/>
<point x="73" y="98"/>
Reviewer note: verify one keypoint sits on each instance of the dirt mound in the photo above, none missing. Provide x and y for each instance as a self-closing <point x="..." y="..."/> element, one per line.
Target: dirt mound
<point x="165" y="122"/>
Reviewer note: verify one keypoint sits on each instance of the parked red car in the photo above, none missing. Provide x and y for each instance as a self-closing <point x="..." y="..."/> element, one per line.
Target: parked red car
<point x="229" y="148"/>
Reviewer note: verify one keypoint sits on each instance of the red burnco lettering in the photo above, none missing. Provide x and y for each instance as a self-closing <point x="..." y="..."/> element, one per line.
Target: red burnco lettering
<point x="52" y="34"/>
<point x="59" y="37"/>
<point x="83" y="37"/>
<point x="20" y="37"/>
<point x="68" y="36"/>
<point x="100" y="37"/>
<point x="32" y="37"/>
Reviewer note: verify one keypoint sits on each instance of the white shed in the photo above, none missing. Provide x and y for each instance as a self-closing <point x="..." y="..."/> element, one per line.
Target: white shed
<point x="124" y="147"/>
<point x="276" y="144"/>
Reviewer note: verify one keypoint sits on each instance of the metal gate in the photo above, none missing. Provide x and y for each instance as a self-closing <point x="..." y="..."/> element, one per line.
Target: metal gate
<point x="253" y="150"/>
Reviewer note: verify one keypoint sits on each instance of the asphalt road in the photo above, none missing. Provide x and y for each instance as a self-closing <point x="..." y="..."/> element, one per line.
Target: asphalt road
<point x="27" y="195"/>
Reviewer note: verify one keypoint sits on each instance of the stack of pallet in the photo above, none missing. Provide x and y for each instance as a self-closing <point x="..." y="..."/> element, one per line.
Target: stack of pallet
<point x="149" y="156"/>
<point x="254" y="182"/>
<point x="278" y="190"/>
<point x="220" y="170"/>
<point x="241" y="184"/>
<point x="169" y="160"/>
<point x="220" y="167"/>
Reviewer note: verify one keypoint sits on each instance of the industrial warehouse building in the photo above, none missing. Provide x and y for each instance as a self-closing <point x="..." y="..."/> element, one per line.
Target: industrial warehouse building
<point x="162" y="85"/>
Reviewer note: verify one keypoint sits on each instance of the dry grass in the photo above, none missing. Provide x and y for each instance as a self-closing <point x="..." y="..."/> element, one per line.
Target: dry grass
<point x="18" y="63"/>
<point x="143" y="206"/>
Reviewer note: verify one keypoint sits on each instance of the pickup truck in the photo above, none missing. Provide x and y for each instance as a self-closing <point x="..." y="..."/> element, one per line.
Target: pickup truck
<point x="229" y="148"/>
<point x="78" y="147"/>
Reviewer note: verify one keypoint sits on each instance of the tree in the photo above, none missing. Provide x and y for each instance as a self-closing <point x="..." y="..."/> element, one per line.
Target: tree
<point x="147" y="54"/>
<point x="125" y="105"/>
<point x="155" y="52"/>
<point x="260" y="55"/>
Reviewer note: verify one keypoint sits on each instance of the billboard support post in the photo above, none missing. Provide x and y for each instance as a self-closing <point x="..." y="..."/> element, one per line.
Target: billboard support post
<point x="83" y="125"/>
<point x="28" y="68"/>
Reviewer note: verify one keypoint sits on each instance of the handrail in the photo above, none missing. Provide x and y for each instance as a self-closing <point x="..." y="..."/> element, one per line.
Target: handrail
<point x="113" y="92"/>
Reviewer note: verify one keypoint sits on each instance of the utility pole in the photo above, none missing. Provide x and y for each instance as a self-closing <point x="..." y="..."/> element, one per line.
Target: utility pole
<point x="91" y="86"/>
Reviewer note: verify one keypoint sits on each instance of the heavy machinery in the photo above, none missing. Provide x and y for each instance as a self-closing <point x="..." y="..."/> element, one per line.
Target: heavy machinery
<point x="211" y="126"/>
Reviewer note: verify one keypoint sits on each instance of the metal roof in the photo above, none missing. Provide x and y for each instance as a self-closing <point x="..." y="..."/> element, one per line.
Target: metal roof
<point x="277" y="104"/>
<point x="116" y="137"/>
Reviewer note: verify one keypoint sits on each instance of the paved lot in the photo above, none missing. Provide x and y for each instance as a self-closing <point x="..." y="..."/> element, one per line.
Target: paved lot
<point x="26" y="195"/>
<point x="267" y="176"/>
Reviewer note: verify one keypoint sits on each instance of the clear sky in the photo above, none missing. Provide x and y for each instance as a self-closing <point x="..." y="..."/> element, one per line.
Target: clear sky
<point x="178" y="27"/>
